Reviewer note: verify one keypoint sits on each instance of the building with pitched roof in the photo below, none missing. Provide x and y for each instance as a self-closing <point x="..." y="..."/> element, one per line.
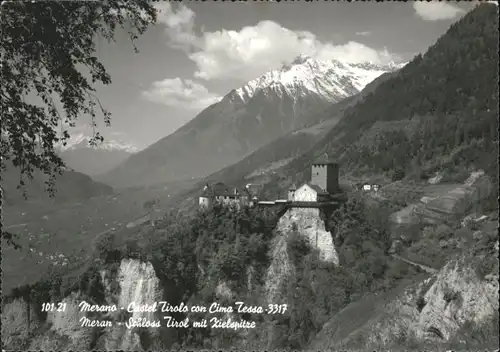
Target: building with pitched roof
<point x="224" y="194"/>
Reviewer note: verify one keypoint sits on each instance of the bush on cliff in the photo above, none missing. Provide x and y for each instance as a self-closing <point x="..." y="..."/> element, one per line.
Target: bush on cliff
<point x="297" y="247"/>
<point x="104" y="247"/>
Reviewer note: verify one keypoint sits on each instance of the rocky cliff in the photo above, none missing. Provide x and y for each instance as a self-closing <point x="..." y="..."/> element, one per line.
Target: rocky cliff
<point x="308" y="223"/>
<point x="139" y="285"/>
<point x="18" y="321"/>
<point x="72" y="328"/>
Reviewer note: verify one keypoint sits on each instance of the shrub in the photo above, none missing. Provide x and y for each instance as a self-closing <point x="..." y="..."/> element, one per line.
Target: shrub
<point x="486" y="265"/>
<point x="443" y="232"/>
<point x="396" y="271"/>
<point x="397" y="175"/>
<point x="104" y="247"/>
<point x="450" y="295"/>
<point x="421" y="303"/>
<point x="131" y="249"/>
<point x="424" y="175"/>
<point x="297" y="247"/>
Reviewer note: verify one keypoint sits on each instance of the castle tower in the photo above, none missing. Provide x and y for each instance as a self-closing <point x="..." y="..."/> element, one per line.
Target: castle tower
<point x="325" y="174"/>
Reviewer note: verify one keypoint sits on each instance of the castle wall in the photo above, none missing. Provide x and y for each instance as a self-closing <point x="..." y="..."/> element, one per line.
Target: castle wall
<point x="305" y="194"/>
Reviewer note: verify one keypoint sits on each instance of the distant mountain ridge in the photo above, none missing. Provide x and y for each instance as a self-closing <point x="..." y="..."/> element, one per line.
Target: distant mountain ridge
<point x="80" y="156"/>
<point x="247" y="118"/>
<point x="82" y="140"/>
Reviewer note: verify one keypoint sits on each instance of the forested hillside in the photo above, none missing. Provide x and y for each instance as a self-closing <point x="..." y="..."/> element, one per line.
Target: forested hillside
<point x="450" y="94"/>
<point x="71" y="185"/>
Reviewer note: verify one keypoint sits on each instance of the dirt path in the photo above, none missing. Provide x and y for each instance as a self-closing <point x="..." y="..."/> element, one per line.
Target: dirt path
<point x="421" y="266"/>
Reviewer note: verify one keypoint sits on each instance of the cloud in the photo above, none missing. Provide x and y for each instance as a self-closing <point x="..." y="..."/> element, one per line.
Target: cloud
<point x="179" y="93"/>
<point x="179" y="25"/>
<point x="253" y="50"/>
<point x="435" y="11"/>
<point x="364" y="34"/>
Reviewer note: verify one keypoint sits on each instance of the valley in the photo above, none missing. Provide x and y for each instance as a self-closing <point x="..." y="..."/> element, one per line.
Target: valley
<point x="70" y="228"/>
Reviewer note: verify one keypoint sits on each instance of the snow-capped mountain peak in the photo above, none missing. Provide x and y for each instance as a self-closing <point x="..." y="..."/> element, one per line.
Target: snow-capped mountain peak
<point x="81" y="140"/>
<point x="333" y="80"/>
<point x="300" y="59"/>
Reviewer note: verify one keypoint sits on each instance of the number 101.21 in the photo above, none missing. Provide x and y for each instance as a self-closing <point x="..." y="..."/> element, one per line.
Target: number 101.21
<point x="53" y="307"/>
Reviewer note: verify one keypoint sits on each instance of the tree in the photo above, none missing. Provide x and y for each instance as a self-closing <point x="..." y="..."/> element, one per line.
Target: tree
<point x="48" y="60"/>
<point x="150" y="204"/>
<point x="398" y="174"/>
<point x="104" y="244"/>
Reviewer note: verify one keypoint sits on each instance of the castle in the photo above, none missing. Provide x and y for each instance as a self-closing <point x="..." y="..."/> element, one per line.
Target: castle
<point x="321" y="188"/>
<point x="323" y="184"/>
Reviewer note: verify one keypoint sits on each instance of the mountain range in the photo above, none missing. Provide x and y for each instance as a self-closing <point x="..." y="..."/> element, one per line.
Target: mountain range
<point x="80" y="156"/>
<point x="279" y="102"/>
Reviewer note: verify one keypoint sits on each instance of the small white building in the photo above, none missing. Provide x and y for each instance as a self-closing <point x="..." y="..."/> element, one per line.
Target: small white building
<point x="369" y="187"/>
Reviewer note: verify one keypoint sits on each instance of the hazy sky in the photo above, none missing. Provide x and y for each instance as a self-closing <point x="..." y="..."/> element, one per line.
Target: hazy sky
<point x="199" y="51"/>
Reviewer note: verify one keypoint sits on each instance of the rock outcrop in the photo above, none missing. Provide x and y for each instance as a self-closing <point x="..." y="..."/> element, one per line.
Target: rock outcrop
<point x="307" y="222"/>
<point x="19" y="320"/>
<point x="431" y="311"/>
<point x="139" y="285"/>
<point x="280" y="269"/>
<point x="66" y="330"/>
<point x="135" y="281"/>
